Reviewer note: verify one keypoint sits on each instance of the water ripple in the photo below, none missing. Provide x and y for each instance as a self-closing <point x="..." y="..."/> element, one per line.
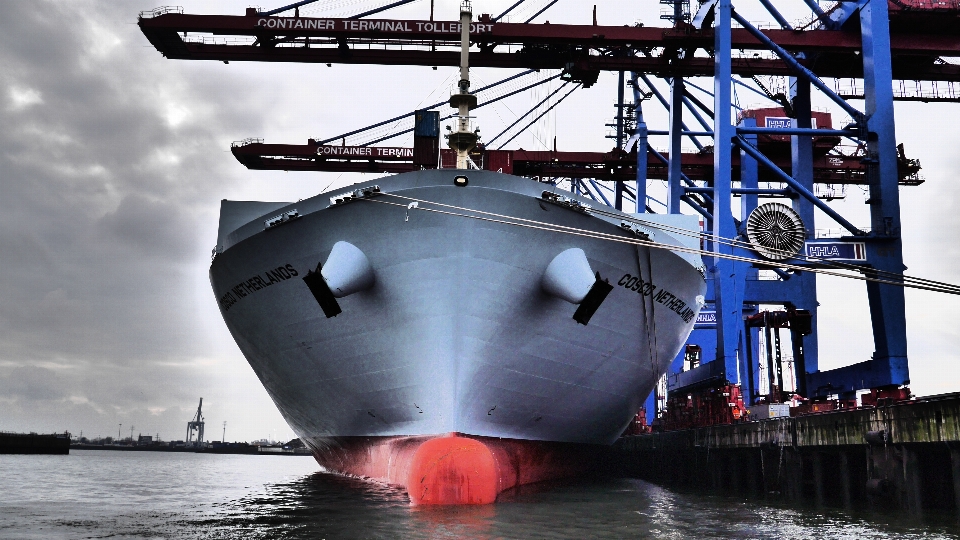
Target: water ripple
<point x="119" y="495"/>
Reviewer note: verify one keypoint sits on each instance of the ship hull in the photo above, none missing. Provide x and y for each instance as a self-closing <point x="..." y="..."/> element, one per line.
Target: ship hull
<point x="456" y="468"/>
<point x="456" y="335"/>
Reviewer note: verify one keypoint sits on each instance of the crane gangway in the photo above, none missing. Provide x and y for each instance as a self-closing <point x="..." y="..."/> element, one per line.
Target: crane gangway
<point x="616" y="165"/>
<point x="918" y="40"/>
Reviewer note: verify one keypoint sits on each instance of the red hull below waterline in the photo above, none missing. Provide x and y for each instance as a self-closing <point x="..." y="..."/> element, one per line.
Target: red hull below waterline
<point x="456" y="468"/>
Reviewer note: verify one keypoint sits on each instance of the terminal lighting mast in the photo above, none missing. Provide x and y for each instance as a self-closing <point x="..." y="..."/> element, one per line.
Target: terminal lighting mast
<point x="463" y="140"/>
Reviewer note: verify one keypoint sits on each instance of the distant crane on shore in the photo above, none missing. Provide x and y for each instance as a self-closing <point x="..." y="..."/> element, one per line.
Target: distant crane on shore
<point x="223" y="438"/>
<point x="196" y="425"/>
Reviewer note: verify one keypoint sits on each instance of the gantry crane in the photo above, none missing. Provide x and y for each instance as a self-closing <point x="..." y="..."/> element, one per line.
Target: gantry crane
<point x="879" y="45"/>
<point x="195" y="427"/>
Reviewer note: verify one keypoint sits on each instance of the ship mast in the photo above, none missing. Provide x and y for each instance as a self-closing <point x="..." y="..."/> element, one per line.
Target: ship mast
<point x="463" y="140"/>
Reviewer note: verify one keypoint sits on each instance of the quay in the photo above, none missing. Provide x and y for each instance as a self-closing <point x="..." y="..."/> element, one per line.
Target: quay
<point x="903" y="456"/>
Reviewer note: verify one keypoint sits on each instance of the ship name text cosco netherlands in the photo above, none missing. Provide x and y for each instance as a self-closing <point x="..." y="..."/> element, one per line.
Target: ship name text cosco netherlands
<point x="355" y="25"/>
<point x="256" y="283"/>
<point x="661" y="296"/>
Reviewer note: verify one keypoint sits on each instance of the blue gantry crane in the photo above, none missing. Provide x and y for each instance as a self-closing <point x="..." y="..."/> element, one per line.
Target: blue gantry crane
<point x="734" y="287"/>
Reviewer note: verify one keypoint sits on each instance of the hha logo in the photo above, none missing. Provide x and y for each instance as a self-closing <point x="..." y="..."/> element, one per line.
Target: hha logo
<point x="824" y="251"/>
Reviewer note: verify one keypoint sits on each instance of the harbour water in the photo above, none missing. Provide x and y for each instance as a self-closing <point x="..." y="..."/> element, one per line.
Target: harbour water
<point x="102" y="494"/>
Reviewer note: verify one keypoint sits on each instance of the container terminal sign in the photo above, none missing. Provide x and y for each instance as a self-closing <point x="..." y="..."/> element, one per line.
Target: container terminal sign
<point x="365" y="152"/>
<point x="356" y="25"/>
<point x="846" y="251"/>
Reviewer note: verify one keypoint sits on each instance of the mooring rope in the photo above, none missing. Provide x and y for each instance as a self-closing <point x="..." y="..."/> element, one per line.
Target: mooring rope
<point x="650" y="324"/>
<point x="899" y="280"/>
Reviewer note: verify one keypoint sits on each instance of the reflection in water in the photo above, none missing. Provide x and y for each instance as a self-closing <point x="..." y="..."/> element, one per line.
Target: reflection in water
<point x="92" y="494"/>
<point x="315" y="506"/>
<point x="330" y="506"/>
<point x="454" y="521"/>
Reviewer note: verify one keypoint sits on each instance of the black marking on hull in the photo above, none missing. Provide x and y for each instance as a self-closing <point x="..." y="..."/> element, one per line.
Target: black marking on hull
<point x="321" y="291"/>
<point x="601" y="288"/>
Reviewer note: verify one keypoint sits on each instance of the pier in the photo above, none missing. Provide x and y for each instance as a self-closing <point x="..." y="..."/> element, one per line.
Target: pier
<point x="903" y="457"/>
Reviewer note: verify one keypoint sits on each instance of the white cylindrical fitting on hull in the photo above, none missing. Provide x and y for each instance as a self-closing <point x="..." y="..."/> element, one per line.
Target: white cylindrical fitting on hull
<point x="347" y="270"/>
<point x="569" y="276"/>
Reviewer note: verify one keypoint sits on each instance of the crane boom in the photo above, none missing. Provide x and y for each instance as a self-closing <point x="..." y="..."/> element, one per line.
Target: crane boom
<point x="554" y="46"/>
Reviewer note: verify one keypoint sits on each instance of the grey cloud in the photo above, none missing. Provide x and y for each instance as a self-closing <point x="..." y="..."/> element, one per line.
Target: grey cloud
<point x="31" y="383"/>
<point x="100" y="193"/>
<point x="111" y="159"/>
<point x="151" y="226"/>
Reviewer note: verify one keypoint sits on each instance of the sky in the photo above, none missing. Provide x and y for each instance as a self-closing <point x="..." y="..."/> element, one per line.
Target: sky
<point x="113" y="162"/>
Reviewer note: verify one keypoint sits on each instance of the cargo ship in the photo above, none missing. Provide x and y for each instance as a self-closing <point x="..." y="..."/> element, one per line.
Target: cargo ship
<point x="457" y="332"/>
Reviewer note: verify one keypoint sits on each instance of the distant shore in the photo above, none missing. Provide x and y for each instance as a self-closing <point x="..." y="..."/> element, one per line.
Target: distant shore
<point x="62" y="443"/>
<point x="241" y="448"/>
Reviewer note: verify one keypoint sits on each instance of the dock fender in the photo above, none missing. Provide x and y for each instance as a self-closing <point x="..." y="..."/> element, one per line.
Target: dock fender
<point x="347" y="270"/>
<point x="568" y="276"/>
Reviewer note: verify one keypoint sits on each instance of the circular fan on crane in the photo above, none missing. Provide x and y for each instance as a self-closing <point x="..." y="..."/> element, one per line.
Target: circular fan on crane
<point x="775" y="231"/>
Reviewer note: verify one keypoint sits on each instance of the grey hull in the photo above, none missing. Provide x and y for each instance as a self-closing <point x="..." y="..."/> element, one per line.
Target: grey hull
<point x="456" y="334"/>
